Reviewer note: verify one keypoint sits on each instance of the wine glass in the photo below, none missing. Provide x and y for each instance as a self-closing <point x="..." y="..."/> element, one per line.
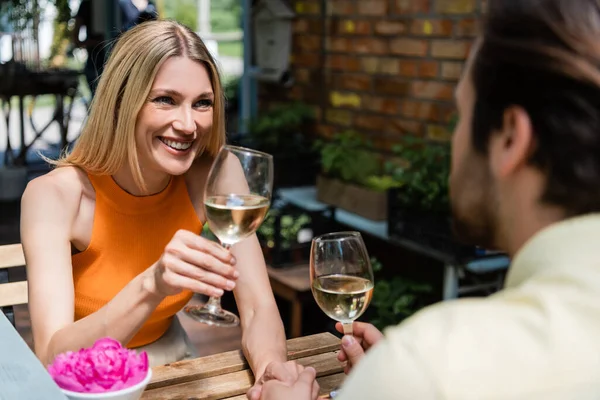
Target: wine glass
<point x="341" y="276"/>
<point x="234" y="211"/>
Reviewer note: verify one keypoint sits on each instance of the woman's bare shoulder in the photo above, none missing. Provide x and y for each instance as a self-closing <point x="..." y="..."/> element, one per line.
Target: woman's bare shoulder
<point x="66" y="185"/>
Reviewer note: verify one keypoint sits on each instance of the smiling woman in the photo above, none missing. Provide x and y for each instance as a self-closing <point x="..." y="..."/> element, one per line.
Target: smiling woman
<point x="111" y="236"/>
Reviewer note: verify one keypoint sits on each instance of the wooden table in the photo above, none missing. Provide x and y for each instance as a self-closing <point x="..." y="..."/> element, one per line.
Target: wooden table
<point x="227" y="375"/>
<point x="292" y="284"/>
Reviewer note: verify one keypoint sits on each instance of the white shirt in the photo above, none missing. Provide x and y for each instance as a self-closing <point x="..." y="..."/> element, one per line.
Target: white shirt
<point x="538" y="338"/>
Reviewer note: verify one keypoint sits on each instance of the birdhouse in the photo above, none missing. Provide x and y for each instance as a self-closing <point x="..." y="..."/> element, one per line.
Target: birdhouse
<point x="272" y="22"/>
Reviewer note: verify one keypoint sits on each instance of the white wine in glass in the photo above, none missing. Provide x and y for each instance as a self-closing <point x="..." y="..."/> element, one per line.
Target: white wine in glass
<point x="233" y="211"/>
<point x="341" y="276"/>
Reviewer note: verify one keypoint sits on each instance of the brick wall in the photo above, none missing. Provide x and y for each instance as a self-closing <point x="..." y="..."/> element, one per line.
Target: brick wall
<point x="385" y="68"/>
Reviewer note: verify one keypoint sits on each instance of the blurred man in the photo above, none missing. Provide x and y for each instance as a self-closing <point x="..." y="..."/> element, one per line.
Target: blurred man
<point x="526" y="179"/>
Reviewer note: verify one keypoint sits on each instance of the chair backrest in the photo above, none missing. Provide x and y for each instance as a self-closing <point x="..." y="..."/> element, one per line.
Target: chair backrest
<point x="11" y="293"/>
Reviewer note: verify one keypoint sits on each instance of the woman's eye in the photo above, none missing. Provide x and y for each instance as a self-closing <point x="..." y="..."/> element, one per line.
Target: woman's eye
<point x="164" y="100"/>
<point x="204" y="103"/>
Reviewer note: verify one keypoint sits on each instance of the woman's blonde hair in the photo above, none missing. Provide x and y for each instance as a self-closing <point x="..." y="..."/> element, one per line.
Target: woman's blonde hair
<point x="107" y="140"/>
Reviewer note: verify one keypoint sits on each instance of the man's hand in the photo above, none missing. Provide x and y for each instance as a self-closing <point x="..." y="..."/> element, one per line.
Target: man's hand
<point x="354" y="347"/>
<point x="286" y="373"/>
<point x="304" y="388"/>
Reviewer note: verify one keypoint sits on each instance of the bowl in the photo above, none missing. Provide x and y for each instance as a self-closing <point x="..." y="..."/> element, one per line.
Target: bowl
<point x="131" y="393"/>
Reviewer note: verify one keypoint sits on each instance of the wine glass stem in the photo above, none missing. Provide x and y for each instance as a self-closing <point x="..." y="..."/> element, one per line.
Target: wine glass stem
<point x="347" y="328"/>
<point x="214" y="303"/>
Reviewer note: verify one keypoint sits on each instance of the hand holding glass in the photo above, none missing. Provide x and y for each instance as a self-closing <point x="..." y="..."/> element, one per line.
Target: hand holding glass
<point x="234" y="216"/>
<point x="341" y="276"/>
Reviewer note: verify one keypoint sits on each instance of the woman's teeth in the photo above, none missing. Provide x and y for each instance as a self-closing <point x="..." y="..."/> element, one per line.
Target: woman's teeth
<point x="176" y="145"/>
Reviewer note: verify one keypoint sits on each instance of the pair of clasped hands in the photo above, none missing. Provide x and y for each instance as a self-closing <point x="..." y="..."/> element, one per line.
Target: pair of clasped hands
<point x="291" y="381"/>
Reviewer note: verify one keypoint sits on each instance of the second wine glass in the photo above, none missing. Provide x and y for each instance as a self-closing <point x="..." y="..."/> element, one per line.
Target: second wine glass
<point x="237" y="197"/>
<point x="341" y="276"/>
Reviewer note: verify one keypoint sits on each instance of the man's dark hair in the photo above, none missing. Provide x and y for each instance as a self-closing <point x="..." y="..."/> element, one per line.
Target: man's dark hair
<point x="544" y="56"/>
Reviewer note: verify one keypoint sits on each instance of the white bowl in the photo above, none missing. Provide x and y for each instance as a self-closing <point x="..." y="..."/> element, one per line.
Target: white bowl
<point x="131" y="393"/>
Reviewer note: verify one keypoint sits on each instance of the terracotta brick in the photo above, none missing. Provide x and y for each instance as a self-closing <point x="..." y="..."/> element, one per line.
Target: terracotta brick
<point x="307" y="43"/>
<point x="429" y="69"/>
<point x="302" y="75"/>
<point x="303" y="25"/>
<point x="370" y="45"/>
<point x="370" y="122"/>
<point x="412" y="6"/>
<point x="438" y="133"/>
<point x="352" y="82"/>
<point x="338" y="62"/>
<point x="372" y="7"/>
<point x="431" y="27"/>
<point x="389" y="66"/>
<point x="467" y="28"/>
<point x="421" y="110"/>
<point x="326" y="131"/>
<point x="453" y="49"/>
<point x="351" y="27"/>
<point x="455" y="6"/>
<point x="383" y="105"/>
<point x="390" y="27"/>
<point x="296" y="92"/>
<point x="432" y="90"/>
<point x="370" y="65"/>
<point x="408" y="68"/>
<point x="308" y="7"/>
<point x="390" y="85"/>
<point x="306" y="60"/>
<point x="344" y="99"/>
<point x="338" y="117"/>
<point x="409" y="47"/>
<point x="341" y="7"/>
<point x="339" y="44"/>
<point x="401" y="126"/>
<point x="451" y="70"/>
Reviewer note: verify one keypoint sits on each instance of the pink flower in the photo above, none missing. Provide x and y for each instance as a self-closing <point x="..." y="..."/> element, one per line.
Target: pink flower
<point x="105" y="367"/>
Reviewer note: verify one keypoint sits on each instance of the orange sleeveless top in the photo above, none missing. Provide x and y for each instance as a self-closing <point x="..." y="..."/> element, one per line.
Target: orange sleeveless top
<point x="128" y="236"/>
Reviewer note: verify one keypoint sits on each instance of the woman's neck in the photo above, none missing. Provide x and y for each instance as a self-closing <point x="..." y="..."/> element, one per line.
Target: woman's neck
<point x="155" y="182"/>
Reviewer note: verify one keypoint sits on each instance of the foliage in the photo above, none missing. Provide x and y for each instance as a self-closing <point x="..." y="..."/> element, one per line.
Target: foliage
<point x="226" y="15"/>
<point x="290" y="227"/>
<point x="349" y="157"/>
<point x="395" y="299"/>
<point x="279" y="130"/>
<point x="182" y="11"/>
<point x="425" y="175"/>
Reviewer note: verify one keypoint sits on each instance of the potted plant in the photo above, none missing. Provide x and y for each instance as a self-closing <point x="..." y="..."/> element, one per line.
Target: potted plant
<point x="285" y="237"/>
<point x="395" y="298"/>
<point x="285" y="132"/>
<point x="353" y="178"/>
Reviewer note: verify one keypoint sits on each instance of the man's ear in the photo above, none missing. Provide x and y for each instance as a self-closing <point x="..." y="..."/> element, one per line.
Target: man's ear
<point x="511" y="147"/>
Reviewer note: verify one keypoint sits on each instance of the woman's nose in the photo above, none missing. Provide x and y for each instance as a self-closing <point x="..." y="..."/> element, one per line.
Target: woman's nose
<point x="185" y="122"/>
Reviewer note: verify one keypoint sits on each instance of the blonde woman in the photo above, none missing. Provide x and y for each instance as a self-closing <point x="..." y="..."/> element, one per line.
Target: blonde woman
<point x="111" y="236"/>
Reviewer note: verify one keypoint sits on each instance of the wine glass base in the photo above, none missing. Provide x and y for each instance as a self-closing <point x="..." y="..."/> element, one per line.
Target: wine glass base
<point x="219" y="317"/>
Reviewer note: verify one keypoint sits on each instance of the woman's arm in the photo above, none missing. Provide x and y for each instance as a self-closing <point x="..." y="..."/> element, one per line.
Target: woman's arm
<point x="48" y="210"/>
<point x="50" y="206"/>
<point x="263" y="336"/>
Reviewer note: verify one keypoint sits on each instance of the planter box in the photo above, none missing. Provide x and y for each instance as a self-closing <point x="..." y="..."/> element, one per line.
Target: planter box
<point x="429" y="229"/>
<point x="353" y="198"/>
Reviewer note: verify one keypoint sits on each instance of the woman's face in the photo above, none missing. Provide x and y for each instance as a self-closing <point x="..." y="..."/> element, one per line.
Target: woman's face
<point x="176" y="119"/>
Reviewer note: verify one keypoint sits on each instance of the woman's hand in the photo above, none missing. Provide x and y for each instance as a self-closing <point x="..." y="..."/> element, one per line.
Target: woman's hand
<point x="191" y="262"/>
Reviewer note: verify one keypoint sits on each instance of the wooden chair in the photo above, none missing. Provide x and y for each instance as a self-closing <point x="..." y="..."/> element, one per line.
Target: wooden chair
<point x="11" y="293"/>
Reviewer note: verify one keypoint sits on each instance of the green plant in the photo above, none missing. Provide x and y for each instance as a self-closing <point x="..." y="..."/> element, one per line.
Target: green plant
<point x="395" y="299"/>
<point x="289" y="229"/>
<point x="424" y="175"/>
<point x="349" y="157"/>
<point x="280" y="128"/>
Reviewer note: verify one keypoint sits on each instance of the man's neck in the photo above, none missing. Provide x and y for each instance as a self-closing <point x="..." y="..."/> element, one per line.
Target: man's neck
<point x="524" y="223"/>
